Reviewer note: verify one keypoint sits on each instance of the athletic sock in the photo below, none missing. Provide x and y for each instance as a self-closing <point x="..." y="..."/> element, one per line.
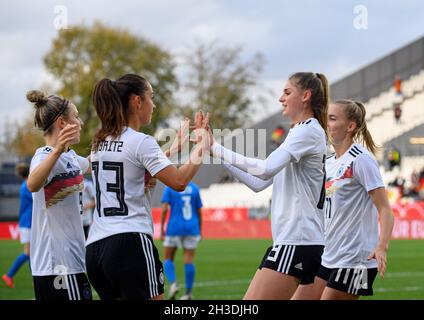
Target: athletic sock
<point x="190" y="271"/>
<point x="169" y="268"/>
<point x="19" y="261"/>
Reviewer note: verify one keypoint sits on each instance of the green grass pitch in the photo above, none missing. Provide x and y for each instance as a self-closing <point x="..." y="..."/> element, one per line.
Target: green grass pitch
<point x="225" y="267"/>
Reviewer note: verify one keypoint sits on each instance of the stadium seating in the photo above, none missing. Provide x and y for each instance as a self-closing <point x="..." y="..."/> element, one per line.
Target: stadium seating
<point x="383" y="128"/>
<point x="381" y="122"/>
<point x="384" y="101"/>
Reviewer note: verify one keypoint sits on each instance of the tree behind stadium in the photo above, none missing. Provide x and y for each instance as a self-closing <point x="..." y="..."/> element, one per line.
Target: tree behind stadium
<point x="82" y="55"/>
<point x="220" y="82"/>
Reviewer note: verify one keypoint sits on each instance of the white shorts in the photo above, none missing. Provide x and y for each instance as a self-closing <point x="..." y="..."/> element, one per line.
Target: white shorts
<point x="185" y="242"/>
<point x="25" y="235"/>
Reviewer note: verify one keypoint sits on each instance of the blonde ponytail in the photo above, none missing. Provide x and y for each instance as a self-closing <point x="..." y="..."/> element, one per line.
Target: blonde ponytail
<point x="355" y="111"/>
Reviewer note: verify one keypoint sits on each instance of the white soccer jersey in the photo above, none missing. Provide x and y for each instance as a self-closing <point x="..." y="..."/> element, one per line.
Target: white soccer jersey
<point x="57" y="237"/>
<point x="297" y="217"/>
<point x="118" y="169"/>
<point x="351" y="218"/>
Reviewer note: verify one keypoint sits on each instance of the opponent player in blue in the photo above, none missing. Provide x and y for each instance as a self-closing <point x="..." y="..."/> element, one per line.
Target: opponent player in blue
<point x="183" y="230"/>
<point x="25" y="215"/>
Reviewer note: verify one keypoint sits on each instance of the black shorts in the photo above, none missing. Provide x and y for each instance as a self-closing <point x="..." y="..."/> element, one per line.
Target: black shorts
<point x="301" y="262"/>
<point x="62" y="287"/>
<point x="355" y="281"/>
<point x="125" y="266"/>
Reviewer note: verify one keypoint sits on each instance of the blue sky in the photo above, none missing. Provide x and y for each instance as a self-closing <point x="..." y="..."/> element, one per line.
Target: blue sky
<point x="292" y="35"/>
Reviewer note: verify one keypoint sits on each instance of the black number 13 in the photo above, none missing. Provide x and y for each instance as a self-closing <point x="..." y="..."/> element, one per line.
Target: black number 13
<point x="117" y="188"/>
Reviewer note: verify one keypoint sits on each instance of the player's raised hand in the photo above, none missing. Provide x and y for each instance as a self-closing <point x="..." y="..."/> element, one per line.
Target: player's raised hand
<point x="66" y="137"/>
<point x="198" y="120"/>
<point x="201" y="129"/>
<point x="207" y="127"/>
<point x="205" y="121"/>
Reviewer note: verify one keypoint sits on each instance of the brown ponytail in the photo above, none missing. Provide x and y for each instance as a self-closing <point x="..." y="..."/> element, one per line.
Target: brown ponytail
<point x="321" y="107"/>
<point x="355" y="111"/>
<point x="318" y="84"/>
<point x="111" y="99"/>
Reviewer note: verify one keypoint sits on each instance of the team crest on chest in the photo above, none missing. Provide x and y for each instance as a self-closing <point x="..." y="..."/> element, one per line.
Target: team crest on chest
<point x="341" y="170"/>
<point x="343" y="176"/>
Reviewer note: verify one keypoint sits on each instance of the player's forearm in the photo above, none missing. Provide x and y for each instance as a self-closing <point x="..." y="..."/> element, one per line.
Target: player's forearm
<point x="190" y="168"/>
<point x="254" y="183"/>
<point x="386" y="227"/>
<point x="263" y="169"/>
<point x="38" y="177"/>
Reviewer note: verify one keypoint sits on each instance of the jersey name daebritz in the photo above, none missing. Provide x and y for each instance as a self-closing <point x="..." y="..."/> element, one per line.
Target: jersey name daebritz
<point x="111" y="146"/>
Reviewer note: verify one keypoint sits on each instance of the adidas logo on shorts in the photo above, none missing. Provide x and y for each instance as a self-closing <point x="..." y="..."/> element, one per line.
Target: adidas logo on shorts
<point x="299" y="266"/>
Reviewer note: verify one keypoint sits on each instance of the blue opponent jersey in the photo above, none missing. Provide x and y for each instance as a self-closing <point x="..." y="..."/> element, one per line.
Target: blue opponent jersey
<point x="25" y="207"/>
<point x="184" y="219"/>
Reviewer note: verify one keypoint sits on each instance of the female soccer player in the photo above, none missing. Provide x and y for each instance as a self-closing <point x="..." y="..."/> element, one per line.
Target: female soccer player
<point x="355" y="193"/>
<point x="296" y="170"/>
<point x="56" y="180"/>
<point x="183" y="230"/>
<point x="25" y="213"/>
<point x="122" y="261"/>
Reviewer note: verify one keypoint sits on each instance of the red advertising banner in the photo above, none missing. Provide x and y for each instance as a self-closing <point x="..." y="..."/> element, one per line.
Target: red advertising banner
<point x="234" y="223"/>
<point x="9" y="230"/>
<point x="409" y="220"/>
<point x="225" y="223"/>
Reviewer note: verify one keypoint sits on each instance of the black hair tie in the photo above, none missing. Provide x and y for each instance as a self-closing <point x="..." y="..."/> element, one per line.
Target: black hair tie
<point x="61" y="111"/>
